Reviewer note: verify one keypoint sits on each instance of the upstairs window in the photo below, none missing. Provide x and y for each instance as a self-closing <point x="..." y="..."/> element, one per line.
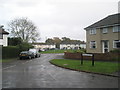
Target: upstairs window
<point x="92" y="44"/>
<point x="116" y="44"/>
<point x="105" y="30"/>
<point x="93" y="31"/>
<point x="116" y="29"/>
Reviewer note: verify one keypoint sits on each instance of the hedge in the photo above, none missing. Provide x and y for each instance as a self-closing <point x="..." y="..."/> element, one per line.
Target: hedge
<point x="10" y="52"/>
<point x="13" y="51"/>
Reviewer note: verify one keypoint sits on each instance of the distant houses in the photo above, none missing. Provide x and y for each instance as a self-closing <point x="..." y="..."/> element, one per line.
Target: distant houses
<point x="69" y="45"/>
<point x="104" y="35"/>
<point x="3" y="37"/>
<point x="44" y="46"/>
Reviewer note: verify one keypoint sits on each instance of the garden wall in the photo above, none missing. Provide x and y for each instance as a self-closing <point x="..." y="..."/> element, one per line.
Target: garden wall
<point x="97" y="56"/>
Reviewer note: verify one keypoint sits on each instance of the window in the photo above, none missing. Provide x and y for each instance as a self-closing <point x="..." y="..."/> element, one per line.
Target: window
<point x="92" y="44"/>
<point x="116" y="29"/>
<point x="116" y="44"/>
<point x="104" y="30"/>
<point x="93" y="31"/>
<point x="1" y="36"/>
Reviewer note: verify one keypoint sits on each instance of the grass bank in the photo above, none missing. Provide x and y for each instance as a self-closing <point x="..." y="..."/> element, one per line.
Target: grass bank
<point x="61" y="51"/>
<point x="100" y="67"/>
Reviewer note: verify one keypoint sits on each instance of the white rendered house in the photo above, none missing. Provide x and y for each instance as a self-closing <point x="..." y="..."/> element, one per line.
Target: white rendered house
<point x="72" y="45"/>
<point x="44" y="45"/>
<point x="3" y="37"/>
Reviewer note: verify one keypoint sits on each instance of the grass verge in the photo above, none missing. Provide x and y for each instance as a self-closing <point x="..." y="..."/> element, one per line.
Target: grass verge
<point x="7" y="60"/>
<point x="60" y="51"/>
<point x="100" y="67"/>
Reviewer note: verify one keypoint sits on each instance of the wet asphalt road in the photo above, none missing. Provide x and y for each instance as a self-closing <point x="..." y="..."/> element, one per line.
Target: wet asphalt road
<point x="39" y="73"/>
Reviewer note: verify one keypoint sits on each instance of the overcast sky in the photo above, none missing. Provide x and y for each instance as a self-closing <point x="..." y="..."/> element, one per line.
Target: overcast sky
<point x="58" y="18"/>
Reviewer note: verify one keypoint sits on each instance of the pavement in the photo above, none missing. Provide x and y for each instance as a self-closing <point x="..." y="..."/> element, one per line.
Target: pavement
<point x="39" y="73"/>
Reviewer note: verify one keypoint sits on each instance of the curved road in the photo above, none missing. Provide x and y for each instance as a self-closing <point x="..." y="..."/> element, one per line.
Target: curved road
<point x="39" y="73"/>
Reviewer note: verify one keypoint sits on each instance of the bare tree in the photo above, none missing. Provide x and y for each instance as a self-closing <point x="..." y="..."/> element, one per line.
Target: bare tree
<point x="23" y="28"/>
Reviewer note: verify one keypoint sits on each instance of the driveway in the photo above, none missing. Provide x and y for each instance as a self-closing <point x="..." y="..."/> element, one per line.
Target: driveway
<point x="39" y="73"/>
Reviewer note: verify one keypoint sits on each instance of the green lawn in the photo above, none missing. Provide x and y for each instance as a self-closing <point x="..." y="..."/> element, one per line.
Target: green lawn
<point x="8" y="60"/>
<point x="61" y="51"/>
<point x="100" y="67"/>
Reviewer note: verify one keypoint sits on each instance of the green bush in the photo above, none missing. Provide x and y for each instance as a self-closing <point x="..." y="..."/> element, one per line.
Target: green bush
<point x="115" y="51"/>
<point x="14" y="41"/>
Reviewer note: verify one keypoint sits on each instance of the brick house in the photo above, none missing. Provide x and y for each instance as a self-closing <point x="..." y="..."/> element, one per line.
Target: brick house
<point x="104" y="35"/>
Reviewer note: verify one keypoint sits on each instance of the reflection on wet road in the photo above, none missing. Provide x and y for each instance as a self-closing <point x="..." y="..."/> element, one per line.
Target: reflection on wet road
<point x="39" y="73"/>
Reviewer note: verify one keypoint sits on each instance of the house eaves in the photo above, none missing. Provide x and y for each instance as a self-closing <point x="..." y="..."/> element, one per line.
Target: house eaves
<point x="111" y="20"/>
<point x="3" y="32"/>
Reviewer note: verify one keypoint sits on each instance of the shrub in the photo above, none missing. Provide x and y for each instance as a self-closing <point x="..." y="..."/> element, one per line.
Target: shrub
<point x="24" y="46"/>
<point x="14" y="41"/>
<point x="115" y="51"/>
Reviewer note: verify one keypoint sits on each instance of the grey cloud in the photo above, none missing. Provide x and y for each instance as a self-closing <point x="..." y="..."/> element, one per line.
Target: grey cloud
<point x="28" y="3"/>
<point x="58" y="17"/>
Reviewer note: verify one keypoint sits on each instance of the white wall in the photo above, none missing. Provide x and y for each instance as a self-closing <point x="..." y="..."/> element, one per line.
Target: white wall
<point x="1" y="41"/>
<point x="83" y="46"/>
<point x="4" y="41"/>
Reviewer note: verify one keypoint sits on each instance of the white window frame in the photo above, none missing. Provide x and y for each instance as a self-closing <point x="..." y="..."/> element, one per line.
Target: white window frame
<point x="116" y="29"/>
<point x="92" y="44"/>
<point x="114" y="43"/>
<point x="93" y="31"/>
<point x="105" y="30"/>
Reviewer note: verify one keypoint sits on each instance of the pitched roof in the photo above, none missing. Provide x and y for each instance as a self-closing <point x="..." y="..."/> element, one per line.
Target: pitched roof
<point x="108" y="21"/>
<point x="3" y="32"/>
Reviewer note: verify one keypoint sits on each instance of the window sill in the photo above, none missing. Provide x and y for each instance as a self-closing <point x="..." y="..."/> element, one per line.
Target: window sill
<point x="116" y="32"/>
<point x="92" y="34"/>
<point x="104" y="33"/>
<point x="93" y="48"/>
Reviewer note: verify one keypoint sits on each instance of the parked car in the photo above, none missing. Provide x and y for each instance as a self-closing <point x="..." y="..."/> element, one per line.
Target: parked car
<point x="26" y="55"/>
<point x="35" y="51"/>
<point x="41" y="50"/>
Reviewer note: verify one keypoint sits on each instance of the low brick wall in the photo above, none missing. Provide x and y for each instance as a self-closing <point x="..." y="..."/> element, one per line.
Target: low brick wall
<point x="97" y="56"/>
<point x="68" y="55"/>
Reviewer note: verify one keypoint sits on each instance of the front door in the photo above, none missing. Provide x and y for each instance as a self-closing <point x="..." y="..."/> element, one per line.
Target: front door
<point x="105" y="46"/>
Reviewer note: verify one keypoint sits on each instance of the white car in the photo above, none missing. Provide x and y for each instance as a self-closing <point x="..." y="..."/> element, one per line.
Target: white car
<point x="35" y="51"/>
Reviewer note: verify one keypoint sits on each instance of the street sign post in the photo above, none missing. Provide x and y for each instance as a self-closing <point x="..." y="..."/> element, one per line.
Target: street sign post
<point x="93" y="60"/>
<point x="90" y="55"/>
<point x="81" y="59"/>
<point x="87" y="54"/>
